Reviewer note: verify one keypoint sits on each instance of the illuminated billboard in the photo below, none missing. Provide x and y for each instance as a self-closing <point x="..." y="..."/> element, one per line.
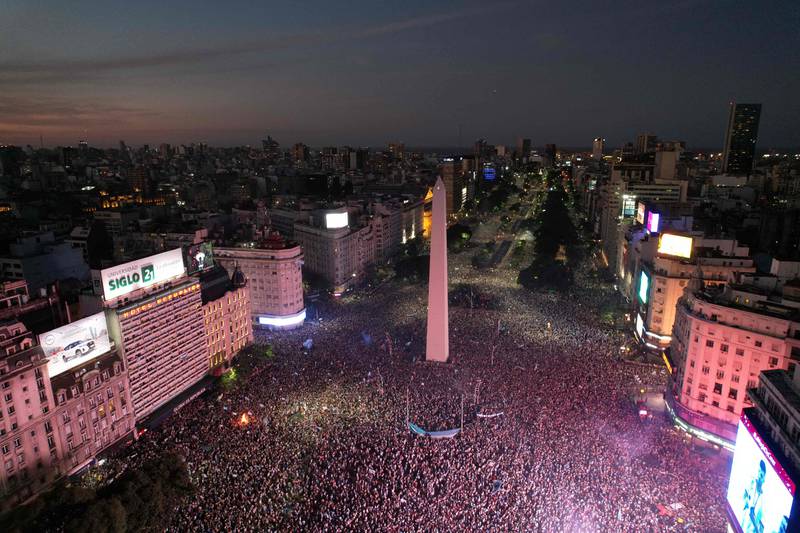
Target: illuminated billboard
<point x="653" y="220"/>
<point x="489" y="173"/>
<point x="128" y="277"/>
<point x="628" y="205"/>
<point x="639" y="326"/>
<point x="760" y="492"/>
<point x="676" y="245"/>
<point x="336" y="220"/>
<point x="644" y="286"/>
<point x="75" y="343"/>
<point x="199" y="257"/>
<point x="640" y="209"/>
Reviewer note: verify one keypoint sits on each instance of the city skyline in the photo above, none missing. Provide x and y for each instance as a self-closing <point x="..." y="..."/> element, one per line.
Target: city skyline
<point x="431" y="75"/>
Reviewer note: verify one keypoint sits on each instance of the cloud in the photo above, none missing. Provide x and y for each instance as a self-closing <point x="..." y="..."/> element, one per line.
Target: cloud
<point x="24" y="73"/>
<point x="24" y="114"/>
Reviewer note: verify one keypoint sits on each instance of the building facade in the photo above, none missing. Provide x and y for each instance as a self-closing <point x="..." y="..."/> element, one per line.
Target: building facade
<point x="776" y="403"/>
<point x="739" y="152"/>
<point x="226" y="316"/>
<point x="721" y="341"/>
<point x="161" y="337"/>
<point x="29" y="444"/>
<point x="273" y="270"/>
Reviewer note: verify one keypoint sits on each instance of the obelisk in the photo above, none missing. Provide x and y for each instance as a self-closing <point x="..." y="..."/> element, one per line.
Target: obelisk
<point x="437" y="347"/>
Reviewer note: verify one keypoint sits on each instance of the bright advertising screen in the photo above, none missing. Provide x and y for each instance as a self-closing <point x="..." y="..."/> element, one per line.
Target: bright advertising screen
<point x="644" y="285"/>
<point x="652" y="222"/>
<point x="489" y="173"/>
<point x="336" y="220"/>
<point x="125" y="278"/>
<point x="760" y="493"/>
<point x="639" y="325"/>
<point x="199" y="257"/>
<point x="676" y="245"/>
<point x="640" y="208"/>
<point x="628" y="205"/>
<point x="75" y="343"/>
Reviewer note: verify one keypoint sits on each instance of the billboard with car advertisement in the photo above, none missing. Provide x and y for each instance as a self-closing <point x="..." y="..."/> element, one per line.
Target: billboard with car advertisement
<point x="75" y="343"/>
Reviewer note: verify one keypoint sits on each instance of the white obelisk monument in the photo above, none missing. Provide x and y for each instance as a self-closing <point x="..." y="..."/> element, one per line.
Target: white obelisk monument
<point x="438" y="345"/>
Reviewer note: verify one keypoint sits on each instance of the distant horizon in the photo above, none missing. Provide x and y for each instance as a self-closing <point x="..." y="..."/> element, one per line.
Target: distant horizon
<point x="376" y="147"/>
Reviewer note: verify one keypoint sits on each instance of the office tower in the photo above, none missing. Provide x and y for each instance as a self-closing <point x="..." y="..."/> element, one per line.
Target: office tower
<point x="300" y="153"/>
<point x="523" y="147"/>
<point x="481" y="149"/>
<point x="453" y="179"/>
<point x="740" y="139"/>
<point x="666" y="161"/>
<point x="550" y="154"/>
<point x="646" y="143"/>
<point x="397" y="151"/>
<point x="272" y="150"/>
<point x="139" y="179"/>
<point x="437" y="346"/>
<point x="597" y="148"/>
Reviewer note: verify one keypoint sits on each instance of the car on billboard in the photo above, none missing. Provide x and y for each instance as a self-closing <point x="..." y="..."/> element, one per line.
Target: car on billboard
<point x="75" y="349"/>
<point x="75" y="343"/>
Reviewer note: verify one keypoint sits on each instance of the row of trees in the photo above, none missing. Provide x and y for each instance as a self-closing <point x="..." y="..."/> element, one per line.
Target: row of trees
<point x="557" y="245"/>
<point x="140" y="499"/>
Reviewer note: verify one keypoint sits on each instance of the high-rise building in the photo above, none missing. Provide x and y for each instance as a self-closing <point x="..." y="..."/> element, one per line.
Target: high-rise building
<point x="273" y="269"/>
<point x="597" y="148"/>
<point x="139" y="179"/>
<point x="666" y="161"/>
<point x="721" y="341"/>
<point x="397" y="151"/>
<point x="300" y="153"/>
<point x="450" y="170"/>
<point x="523" y="148"/>
<point x="645" y="143"/>
<point x="272" y="150"/>
<point x="155" y="318"/>
<point x="739" y="152"/>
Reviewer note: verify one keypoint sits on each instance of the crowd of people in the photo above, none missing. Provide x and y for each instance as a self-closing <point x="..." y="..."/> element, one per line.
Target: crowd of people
<point x="324" y="444"/>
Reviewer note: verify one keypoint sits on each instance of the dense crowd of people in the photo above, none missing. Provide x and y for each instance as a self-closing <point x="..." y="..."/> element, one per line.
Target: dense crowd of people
<point x="324" y="444"/>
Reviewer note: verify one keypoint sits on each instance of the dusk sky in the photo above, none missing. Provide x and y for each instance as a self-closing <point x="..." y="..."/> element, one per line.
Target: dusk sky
<point x="360" y="73"/>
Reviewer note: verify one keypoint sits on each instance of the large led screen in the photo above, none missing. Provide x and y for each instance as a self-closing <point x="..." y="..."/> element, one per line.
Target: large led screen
<point x="628" y="205"/>
<point x="199" y="257"/>
<point x="760" y="493"/>
<point x="75" y="343"/>
<point x="640" y="208"/>
<point x="676" y="245"/>
<point x="652" y="222"/>
<point x="644" y="286"/>
<point x="128" y="277"/>
<point x="336" y="220"/>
